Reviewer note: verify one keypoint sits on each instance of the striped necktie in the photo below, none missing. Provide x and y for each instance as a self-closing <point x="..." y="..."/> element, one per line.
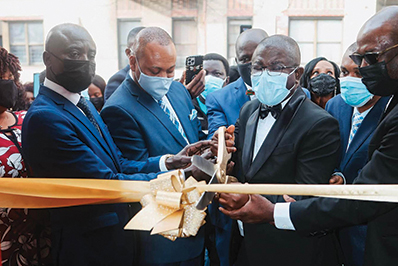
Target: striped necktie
<point x="356" y="123"/>
<point x="173" y="119"/>
<point x="83" y="105"/>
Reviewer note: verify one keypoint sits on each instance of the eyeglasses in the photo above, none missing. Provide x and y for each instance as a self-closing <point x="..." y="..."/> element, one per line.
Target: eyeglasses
<point x="271" y="71"/>
<point x="370" y="57"/>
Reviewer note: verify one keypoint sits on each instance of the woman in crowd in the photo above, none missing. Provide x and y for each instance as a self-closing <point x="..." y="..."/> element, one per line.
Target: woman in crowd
<point x="96" y="92"/>
<point x="321" y="78"/>
<point x="25" y="238"/>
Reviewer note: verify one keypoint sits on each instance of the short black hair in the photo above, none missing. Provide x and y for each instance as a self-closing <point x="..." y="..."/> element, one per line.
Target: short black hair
<point x="309" y="67"/>
<point x="99" y="82"/>
<point x="218" y="57"/>
<point x="132" y="34"/>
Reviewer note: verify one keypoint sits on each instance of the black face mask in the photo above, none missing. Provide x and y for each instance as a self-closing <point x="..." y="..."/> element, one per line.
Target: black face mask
<point x="323" y="84"/>
<point x="377" y="80"/>
<point x="245" y="71"/>
<point x="8" y="93"/>
<point x="77" y="75"/>
<point x="98" y="102"/>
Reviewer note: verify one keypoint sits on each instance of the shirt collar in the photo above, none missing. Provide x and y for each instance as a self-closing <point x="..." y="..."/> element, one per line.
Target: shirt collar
<point x="71" y="96"/>
<point x="363" y="114"/>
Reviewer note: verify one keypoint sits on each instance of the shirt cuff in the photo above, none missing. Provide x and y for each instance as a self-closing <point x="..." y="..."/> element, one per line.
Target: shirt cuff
<point x="342" y="176"/>
<point x="162" y="163"/>
<point x="282" y="216"/>
<point x="240" y="226"/>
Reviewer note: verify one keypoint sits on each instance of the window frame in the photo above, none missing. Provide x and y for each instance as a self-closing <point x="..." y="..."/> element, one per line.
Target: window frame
<point x="229" y="19"/>
<point x="119" y="44"/>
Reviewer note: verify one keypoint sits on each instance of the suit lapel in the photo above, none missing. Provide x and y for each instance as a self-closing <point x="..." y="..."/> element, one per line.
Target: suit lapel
<point x="180" y="110"/>
<point x="367" y="127"/>
<point x="240" y="93"/>
<point x="83" y="120"/>
<point x="153" y="107"/>
<point x="276" y="133"/>
<point x="250" y="136"/>
<point x="345" y="117"/>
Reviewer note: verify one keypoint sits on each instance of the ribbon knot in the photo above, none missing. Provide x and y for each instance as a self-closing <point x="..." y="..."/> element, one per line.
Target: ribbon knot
<point x="170" y="209"/>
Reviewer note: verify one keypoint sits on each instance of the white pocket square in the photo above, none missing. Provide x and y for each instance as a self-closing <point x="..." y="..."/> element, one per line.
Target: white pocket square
<point x="193" y="114"/>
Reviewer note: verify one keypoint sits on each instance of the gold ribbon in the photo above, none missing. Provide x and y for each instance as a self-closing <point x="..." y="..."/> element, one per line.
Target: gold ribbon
<point x="169" y="209"/>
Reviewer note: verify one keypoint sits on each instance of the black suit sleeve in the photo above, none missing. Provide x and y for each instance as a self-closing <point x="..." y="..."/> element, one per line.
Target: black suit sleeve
<point x="325" y="213"/>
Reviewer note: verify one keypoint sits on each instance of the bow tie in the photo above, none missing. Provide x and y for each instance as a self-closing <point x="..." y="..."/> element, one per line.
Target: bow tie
<point x="275" y="111"/>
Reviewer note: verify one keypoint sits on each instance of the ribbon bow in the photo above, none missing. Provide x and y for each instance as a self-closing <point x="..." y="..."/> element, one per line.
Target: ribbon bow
<point x="170" y="209"/>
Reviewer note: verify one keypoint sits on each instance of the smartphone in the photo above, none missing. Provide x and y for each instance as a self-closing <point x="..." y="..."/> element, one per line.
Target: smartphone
<point x="193" y="65"/>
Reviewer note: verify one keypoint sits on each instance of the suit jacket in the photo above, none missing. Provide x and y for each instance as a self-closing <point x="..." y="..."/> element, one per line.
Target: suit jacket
<point x="115" y="81"/>
<point x="141" y="129"/>
<point x="382" y="218"/>
<point x="352" y="239"/>
<point x="301" y="148"/>
<point x="223" y="106"/>
<point x="59" y="141"/>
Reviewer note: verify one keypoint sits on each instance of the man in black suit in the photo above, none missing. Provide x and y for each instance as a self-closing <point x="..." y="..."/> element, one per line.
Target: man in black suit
<point x="117" y="79"/>
<point x="377" y="57"/>
<point x="282" y="137"/>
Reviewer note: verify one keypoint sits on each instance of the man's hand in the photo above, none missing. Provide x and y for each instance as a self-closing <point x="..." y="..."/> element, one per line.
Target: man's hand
<point x="256" y="210"/>
<point x="196" y="86"/>
<point x="192" y="170"/>
<point x="336" y="180"/>
<point x="232" y="201"/>
<point x="229" y="141"/>
<point x="183" y="159"/>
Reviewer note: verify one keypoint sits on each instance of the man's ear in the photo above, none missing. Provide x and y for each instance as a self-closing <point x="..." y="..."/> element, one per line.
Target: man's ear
<point x="299" y="72"/>
<point x="127" y="52"/>
<point x="226" y="81"/>
<point x="47" y="59"/>
<point x="132" y="62"/>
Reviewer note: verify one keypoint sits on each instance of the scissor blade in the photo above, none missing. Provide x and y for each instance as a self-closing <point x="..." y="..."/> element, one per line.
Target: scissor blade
<point x="204" y="165"/>
<point x="207" y="197"/>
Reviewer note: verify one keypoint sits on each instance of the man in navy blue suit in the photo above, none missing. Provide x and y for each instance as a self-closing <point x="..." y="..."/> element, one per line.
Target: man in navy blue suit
<point x="152" y="115"/>
<point x="354" y="101"/>
<point x="223" y="106"/>
<point x="117" y="79"/>
<point x="64" y="137"/>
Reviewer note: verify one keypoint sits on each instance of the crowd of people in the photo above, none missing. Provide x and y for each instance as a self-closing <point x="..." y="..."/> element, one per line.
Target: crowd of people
<point x="286" y="124"/>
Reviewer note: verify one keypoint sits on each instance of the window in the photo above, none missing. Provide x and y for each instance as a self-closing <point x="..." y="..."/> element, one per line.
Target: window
<point x="185" y="39"/>
<point x="317" y="37"/>
<point x="124" y="27"/>
<point x="27" y="41"/>
<point x="234" y="27"/>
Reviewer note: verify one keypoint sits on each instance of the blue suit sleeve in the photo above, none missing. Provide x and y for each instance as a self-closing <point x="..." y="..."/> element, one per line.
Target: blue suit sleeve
<point x="215" y="115"/>
<point x="57" y="150"/>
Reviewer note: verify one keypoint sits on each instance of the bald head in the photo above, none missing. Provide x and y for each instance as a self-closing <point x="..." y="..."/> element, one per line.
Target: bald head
<point x="153" y="35"/>
<point x="283" y="45"/>
<point x="66" y="33"/>
<point x="247" y="43"/>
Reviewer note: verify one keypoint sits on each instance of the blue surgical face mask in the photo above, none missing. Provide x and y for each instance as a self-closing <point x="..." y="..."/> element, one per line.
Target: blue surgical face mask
<point x="157" y="87"/>
<point x="271" y="90"/>
<point x="212" y="84"/>
<point x="354" y="92"/>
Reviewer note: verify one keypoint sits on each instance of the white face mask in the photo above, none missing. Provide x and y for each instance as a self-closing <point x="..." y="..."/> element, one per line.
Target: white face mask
<point x="157" y="87"/>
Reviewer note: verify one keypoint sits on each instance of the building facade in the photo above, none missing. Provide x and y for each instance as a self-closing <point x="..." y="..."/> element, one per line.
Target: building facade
<point x="321" y="27"/>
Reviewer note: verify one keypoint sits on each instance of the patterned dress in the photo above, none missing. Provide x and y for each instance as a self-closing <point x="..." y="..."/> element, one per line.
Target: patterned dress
<point x="24" y="234"/>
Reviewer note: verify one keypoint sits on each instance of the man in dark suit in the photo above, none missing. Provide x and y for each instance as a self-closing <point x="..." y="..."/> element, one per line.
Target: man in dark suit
<point x="358" y="112"/>
<point x="223" y="106"/>
<point x="117" y="79"/>
<point x="282" y="137"/>
<point x="59" y="140"/>
<point x="152" y="115"/>
<point x="64" y="137"/>
<point x="377" y="40"/>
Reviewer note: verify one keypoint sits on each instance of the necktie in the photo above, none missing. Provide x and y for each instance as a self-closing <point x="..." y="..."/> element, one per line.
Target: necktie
<point x="356" y="123"/>
<point x="173" y="119"/>
<point x="274" y="110"/>
<point x="83" y="105"/>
